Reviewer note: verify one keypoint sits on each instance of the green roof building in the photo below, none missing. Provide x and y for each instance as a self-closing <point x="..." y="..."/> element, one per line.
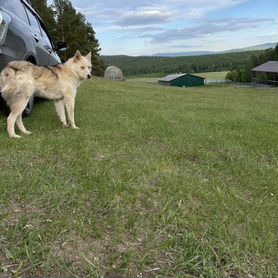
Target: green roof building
<point x="182" y="80"/>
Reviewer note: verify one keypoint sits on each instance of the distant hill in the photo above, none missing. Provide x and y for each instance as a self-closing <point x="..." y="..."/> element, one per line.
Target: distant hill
<point x="197" y="53"/>
<point x="155" y="65"/>
<point x="184" y="54"/>
<point x="254" y="47"/>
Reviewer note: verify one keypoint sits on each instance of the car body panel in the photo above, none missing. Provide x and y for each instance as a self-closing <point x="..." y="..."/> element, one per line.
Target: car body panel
<point x="20" y="42"/>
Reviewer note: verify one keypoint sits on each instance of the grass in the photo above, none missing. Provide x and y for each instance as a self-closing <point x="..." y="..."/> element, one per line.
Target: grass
<point x="158" y="182"/>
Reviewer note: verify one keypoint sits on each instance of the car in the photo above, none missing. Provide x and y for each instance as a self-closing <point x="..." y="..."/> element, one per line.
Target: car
<point x="24" y="36"/>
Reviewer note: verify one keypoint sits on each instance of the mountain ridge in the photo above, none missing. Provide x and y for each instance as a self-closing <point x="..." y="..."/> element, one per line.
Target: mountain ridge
<point x="198" y="53"/>
<point x="203" y="52"/>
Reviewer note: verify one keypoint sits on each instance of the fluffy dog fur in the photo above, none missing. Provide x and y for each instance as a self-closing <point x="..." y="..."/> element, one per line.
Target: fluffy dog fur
<point x="20" y="80"/>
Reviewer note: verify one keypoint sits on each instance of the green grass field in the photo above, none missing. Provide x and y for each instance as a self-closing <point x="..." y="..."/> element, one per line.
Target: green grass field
<point x="158" y="182"/>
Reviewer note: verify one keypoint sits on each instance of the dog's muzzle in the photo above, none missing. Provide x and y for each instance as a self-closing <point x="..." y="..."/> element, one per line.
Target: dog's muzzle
<point x="89" y="76"/>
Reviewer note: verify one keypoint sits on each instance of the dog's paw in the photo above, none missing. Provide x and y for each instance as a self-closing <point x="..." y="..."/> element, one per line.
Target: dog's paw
<point x="27" y="132"/>
<point x="15" y="136"/>
<point x="75" y="127"/>
<point x="65" y="125"/>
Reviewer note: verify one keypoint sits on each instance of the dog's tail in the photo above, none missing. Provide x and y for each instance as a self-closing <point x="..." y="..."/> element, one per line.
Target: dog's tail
<point x="12" y="83"/>
<point x="9" y="86"/>
<point x="7" y="80"/>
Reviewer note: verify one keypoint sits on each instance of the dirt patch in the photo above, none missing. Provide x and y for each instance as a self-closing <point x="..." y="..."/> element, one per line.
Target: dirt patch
<point x="104" y="256"/>
<point x="81" y="253"/>
<point x="16" y="211"/>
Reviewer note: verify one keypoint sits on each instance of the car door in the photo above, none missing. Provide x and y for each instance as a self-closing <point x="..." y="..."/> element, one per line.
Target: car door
<point x="42" y="50"/>
<point x="54" y="59"/>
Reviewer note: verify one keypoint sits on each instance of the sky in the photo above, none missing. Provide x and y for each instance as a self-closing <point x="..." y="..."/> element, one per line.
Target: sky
<point x="147" y="27"/>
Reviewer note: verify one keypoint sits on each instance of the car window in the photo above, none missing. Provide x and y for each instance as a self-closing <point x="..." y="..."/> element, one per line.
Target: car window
<point x="46" y="38"/>
<point x="33" y="21"/>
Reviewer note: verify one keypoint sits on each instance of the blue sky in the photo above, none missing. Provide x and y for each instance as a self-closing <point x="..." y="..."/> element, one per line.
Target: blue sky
<point x="147" y="27"/>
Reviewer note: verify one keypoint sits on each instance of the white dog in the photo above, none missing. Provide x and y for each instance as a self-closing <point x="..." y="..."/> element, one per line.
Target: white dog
<point x="20" y="80"/>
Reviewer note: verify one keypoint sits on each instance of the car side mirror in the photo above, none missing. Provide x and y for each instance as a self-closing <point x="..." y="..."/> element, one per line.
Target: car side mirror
<point x="62" y="46"/>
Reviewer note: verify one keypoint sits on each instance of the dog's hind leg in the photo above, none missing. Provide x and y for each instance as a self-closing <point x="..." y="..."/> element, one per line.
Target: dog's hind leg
<point x="60" y="109"/>
<point x="16" y="111"/>
<point x="20" y="125"/>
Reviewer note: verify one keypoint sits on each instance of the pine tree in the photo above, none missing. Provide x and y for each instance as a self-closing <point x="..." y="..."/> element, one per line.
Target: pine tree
<point x="93" y="46"/>
<point x="47" y="15"/>
<point x="65" y="24"/>
<point x="78" y="33"/>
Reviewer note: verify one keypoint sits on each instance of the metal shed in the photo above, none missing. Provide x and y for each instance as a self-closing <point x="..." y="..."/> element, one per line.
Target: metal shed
<point x="266" y="73"/>
<point x="182" y="80"/>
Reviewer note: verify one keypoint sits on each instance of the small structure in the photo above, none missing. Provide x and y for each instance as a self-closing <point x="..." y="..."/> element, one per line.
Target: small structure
<point x="113" y="73"/>
<point x="266" y="73"/>
<point x="182" y="80"/>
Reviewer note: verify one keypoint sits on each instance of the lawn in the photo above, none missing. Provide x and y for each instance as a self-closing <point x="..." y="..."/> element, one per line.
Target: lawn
<point x="157" y="182"/>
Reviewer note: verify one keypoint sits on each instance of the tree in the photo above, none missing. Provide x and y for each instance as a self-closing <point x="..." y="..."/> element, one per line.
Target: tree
<point x="276" y="51"/>
<point x="244" y="75"/>
<point x="47" y="15"/>
<point x="65" y="24"/>
<point x="93" y="46"/>
<point x="78" y="33"/>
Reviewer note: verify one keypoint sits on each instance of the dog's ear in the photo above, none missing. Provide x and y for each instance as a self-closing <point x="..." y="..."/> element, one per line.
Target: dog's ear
<point x="89" y="56"/>
<point x="77" y="56"/>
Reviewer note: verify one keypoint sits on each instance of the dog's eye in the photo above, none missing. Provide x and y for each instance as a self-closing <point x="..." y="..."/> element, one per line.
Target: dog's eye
<point x="82" y="67"/>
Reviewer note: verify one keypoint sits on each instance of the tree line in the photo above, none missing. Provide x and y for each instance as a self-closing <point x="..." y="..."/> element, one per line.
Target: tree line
<point x="244" y="74"/>
<point x="159" y="66"/>
<point x="65" y="24"/>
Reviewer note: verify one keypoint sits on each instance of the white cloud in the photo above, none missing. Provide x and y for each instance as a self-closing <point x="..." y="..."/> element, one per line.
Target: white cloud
<point x="144" y="17"/>
<point x="141" y="26"/>
<point x="207" y="29"/>
<point x="150" y="12"/>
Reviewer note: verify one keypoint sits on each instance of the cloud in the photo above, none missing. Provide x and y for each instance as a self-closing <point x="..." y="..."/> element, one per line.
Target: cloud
<point x="134" y="12"/>
<point x="147" y="16"/>
<point x="186" y="46"/>
<point x="144" y="17"/>
<point x="206" y="29"/>
<point x="145" y="25"/>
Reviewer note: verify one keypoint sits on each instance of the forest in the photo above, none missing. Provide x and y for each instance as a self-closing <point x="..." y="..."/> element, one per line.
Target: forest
<point x="158" y="66"/>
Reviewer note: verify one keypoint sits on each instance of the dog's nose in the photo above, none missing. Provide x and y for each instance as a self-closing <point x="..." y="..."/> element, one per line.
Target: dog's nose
<point x="89" y="76"/>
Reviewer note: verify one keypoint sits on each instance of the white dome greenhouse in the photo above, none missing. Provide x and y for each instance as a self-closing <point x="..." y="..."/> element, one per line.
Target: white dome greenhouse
<point x="113" y="73"/>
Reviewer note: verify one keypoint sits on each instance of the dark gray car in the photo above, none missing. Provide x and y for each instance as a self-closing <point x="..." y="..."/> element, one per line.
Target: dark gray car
<point x="23" y="36"/>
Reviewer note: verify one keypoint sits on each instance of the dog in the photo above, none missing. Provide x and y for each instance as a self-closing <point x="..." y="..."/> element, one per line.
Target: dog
<point x="20" y="80"/>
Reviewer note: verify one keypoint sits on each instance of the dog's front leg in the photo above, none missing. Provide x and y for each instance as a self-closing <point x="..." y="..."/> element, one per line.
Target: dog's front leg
<point x="60" y="109"/>
<point x="69" y="103"/>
